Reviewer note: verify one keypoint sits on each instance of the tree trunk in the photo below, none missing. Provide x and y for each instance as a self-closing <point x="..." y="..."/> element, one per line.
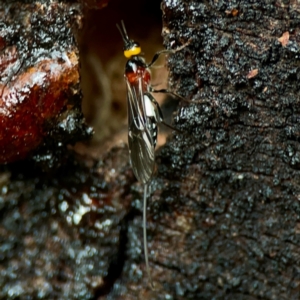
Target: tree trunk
<point x="223" y="218"/>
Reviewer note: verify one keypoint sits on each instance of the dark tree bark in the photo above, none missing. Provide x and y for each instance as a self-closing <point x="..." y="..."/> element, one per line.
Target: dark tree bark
<point x="223" y="220"/>
<point x="224" y="216"/>
<point x="40" y="96"/>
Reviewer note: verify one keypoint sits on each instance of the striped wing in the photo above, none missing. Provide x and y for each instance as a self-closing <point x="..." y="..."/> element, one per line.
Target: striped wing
<point x="140" y="141"/>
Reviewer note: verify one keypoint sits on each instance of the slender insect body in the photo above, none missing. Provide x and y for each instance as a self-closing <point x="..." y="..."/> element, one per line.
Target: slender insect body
<point x="142" y="119"/>
<point x="143" y="115"/>
<point x="136" y="70"/>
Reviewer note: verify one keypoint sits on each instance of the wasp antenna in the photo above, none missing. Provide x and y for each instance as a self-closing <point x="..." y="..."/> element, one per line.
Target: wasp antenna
<point x="124" y="30"/>
<point x="145" y="235"/>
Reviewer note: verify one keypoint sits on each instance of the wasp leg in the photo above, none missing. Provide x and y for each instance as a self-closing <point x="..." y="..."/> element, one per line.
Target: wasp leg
<point x="171" y="127"/>
<point x="166" y="91"/>
<point x="156" y="56"/>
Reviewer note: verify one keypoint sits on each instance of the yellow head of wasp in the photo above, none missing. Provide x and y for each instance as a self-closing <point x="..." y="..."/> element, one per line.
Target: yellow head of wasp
<point x="131" y="47"/>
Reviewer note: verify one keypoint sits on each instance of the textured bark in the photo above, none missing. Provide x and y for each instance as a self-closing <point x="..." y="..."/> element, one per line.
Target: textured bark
<point x="223" y="219"/>
<point x="40" y="96"/>
<point x="62" y="234"/>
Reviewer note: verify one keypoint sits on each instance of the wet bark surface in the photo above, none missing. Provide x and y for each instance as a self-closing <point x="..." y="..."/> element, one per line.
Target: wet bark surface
<point x="39" y="88"/>
<point x="223" y="218"/>
<point x="224" y="215"/>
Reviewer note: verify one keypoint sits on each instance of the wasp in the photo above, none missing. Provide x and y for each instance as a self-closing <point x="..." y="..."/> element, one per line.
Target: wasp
<point x="144" y="114"/>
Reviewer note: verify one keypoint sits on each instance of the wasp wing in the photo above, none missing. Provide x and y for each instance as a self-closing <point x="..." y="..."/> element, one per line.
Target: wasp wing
<point x="140" y="141"/>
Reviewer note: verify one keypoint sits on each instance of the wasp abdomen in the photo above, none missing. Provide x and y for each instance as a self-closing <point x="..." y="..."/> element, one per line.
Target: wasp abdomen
<point x="152" y="120"/>
<point x="153" y="129"/>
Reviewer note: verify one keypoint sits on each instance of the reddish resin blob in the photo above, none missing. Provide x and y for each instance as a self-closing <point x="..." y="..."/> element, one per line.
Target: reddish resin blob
<point x="30" y="99"/>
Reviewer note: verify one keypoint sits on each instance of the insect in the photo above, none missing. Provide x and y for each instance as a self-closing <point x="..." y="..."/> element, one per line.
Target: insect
<point x="144" y="114"/>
